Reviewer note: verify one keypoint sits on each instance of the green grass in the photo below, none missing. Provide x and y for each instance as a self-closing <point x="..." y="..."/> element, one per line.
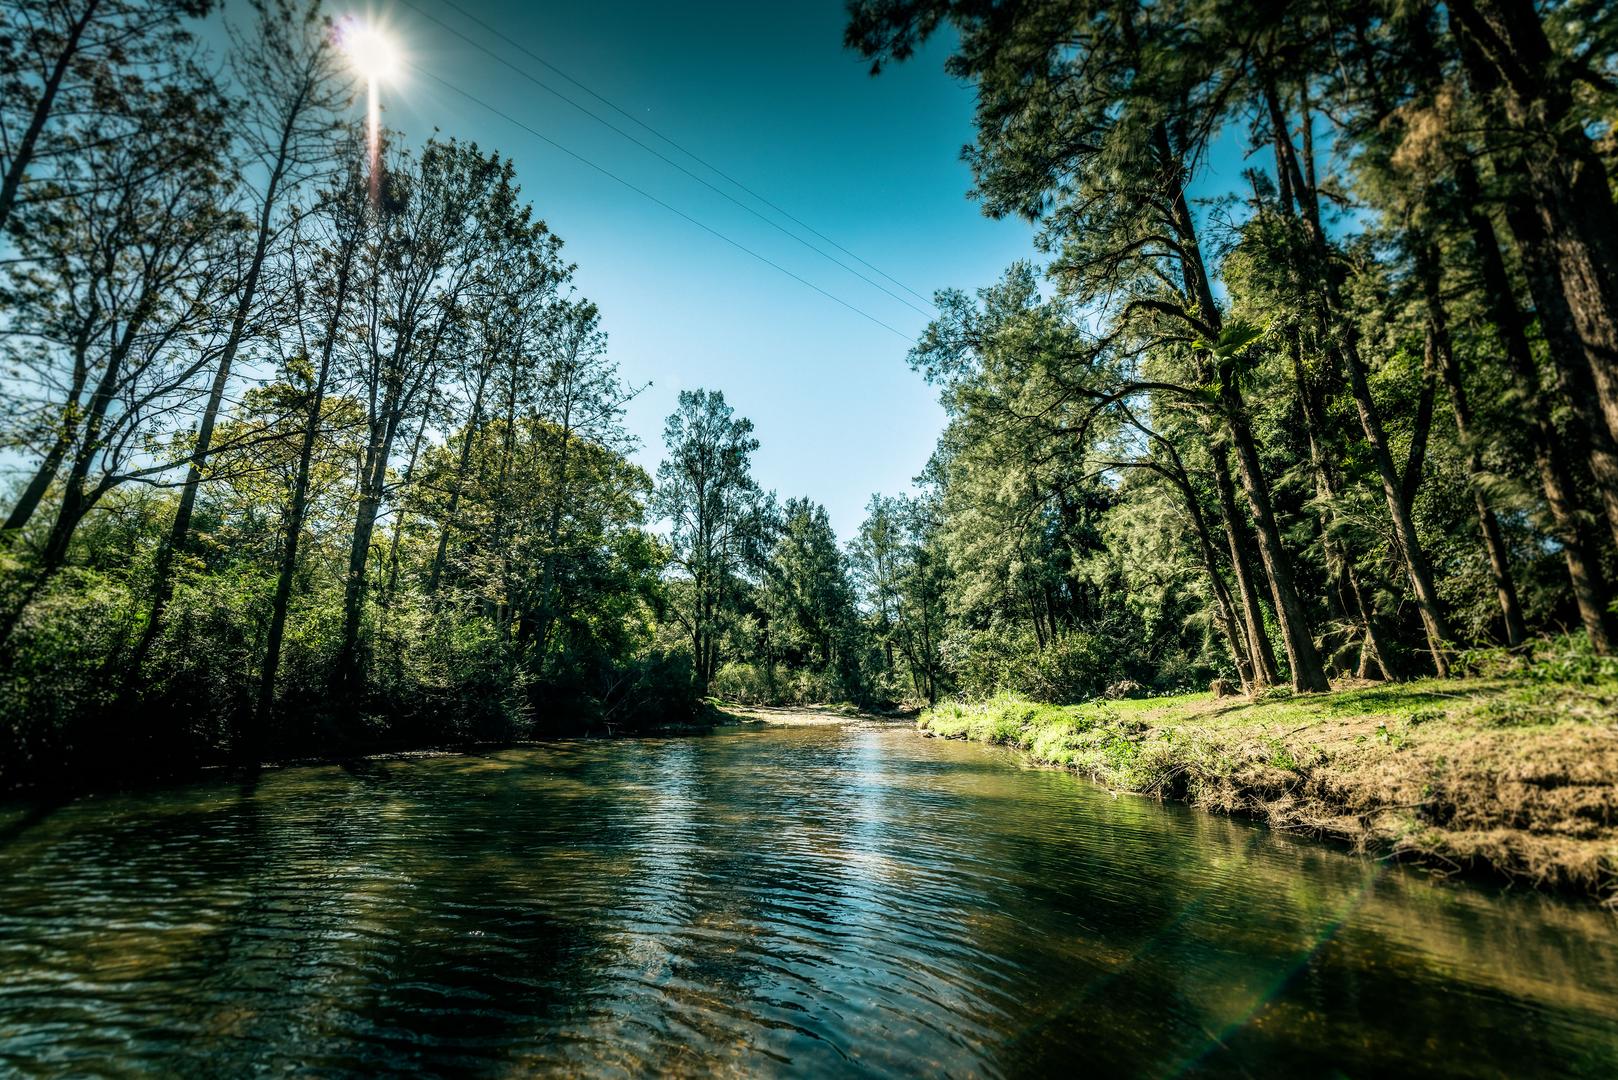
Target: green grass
<point x="1514" y="767"/>
<point x="1103" y="740"/>
<point x="1136" y="744"/>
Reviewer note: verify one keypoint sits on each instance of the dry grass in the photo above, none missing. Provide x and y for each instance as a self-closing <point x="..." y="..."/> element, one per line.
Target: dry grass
<point x="1514" y="771"/>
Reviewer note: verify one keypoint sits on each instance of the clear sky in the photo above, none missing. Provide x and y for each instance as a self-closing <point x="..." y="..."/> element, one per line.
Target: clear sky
<point x="764" y="91"/>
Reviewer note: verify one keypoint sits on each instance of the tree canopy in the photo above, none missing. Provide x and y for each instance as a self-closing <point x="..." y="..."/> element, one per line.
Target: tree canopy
<point x="1313" y="376"/>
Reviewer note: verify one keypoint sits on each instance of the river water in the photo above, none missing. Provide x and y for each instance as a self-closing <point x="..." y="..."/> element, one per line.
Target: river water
<point x="834" y="899"/>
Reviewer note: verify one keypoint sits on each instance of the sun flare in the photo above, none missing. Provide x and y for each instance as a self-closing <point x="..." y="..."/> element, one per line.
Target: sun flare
<point x="370" y="51"/>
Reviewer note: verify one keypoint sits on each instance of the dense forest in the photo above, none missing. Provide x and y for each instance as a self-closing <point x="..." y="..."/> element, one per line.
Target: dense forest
<point x="315" y="446"/>
<point x="1320" y="376"/>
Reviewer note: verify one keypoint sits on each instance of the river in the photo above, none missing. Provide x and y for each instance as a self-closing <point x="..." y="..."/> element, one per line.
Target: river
<point x="817" y="899"/>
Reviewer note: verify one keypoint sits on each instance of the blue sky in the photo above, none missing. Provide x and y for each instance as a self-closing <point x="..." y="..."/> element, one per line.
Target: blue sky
<point x="766" y="92"/>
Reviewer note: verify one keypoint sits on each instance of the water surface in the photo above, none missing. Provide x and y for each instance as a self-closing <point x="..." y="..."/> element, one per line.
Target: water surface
<point x="814" y="900"/>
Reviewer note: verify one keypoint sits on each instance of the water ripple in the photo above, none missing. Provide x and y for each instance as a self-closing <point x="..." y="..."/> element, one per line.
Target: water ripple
<point x="817" y="900"/>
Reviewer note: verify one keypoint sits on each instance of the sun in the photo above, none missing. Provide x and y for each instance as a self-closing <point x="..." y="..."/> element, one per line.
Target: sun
<point x="370" y="51"/>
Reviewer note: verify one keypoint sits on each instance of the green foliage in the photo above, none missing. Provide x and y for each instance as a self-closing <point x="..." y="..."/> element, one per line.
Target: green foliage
<point x="717" y="517"/>
<point x="1308" y="417"/>
<point x="901" y="571"/>
<point x="805" y="603"/>
<point x="411" y="521"/>
<point x="745" y="683"/>
<point x="1206" y="439"/>
<point x="1075" y="667"/>
<point x="1571" y="660"/>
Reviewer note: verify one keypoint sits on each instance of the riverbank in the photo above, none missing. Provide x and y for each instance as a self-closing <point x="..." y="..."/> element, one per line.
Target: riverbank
<point x="773" y="899"/>
<point x="132" y="763"/>
<point x="736" y="713"/>
<point x="1514" y="772"/>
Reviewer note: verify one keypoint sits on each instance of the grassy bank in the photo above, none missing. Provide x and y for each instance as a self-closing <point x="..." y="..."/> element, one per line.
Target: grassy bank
<point x="1513" y="771"/>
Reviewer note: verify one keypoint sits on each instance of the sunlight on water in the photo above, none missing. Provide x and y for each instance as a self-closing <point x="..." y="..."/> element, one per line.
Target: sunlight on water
<point x="831" y="900"/>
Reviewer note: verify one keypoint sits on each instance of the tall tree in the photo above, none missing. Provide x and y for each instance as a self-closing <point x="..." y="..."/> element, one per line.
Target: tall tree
<point x="1336" y="328"/>
<point x="706" y="491"/>
<point x="512" y="312"/>
<point x="440" y="220"/>
<point x="286" y="128"/>
<point x="809" y="600"/>
<point x="116" y="286"/>
<point x="321" y="268"/>
<point x="1091" y="118"/>
<point x="581" y="396"/>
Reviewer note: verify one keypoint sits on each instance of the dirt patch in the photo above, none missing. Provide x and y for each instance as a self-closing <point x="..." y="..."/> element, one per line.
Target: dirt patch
<point x="792" y="715"/>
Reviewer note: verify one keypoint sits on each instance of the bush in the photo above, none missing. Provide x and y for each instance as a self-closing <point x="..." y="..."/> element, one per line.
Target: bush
<point x="753" y="684"/>
<point x="1567" y="658"/>
<point x="809" y="687"/>
<point x="55" y="681"/>
<point x="744" y="683"/>
<point x="658" y="687"/>
<point x="1076" y="667"/>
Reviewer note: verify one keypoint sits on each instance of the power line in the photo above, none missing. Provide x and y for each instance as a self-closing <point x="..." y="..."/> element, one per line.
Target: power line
<point x="664" y="158"/>
<point x="648" y="195"/>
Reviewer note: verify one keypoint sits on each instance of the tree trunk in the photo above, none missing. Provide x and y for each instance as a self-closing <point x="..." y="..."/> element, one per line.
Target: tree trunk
<point x="359" y="555"/>
<point x="1573" y="381"/>
<point x="76" y="502"/>
<point x="23" y="156"/>
<point x="467" y="440"/>
<point x="502" y="513"/>
<point x="553" y="532"/>
<point x="1308" y="673"/>
<point x="1260" y="654"/>
<point x="69" y="420"/>
<point x="1298" y="197"/>
<point x="392" y="583"/>
<point x="40" y="482"/>
<point x="1505" y="47"/>
<point x="1340" y="557"/>
<point x="1410" y="551"/>
<point x="400" y="392"/>
<point x="1440" y="352"/>
<point x="1421" y="428"/>
<point x="1550" y="464"/>
<point x="927" y="654"/>
<point x="1231" y="625"/>
<point x="179" y="530"/>
<point x="298" y="508"/>
<point x="1346" y="357"/>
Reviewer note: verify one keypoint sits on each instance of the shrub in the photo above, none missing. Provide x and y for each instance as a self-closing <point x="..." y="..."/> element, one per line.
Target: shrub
<point x="1075" y="667"/>
<point x="744" y="683"/>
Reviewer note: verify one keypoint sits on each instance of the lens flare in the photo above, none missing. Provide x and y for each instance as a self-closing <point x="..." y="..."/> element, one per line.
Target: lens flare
<point x="370" y="51"/>
<point x="375" y="59"/>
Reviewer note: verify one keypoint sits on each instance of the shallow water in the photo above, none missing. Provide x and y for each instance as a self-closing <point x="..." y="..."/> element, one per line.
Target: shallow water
<point x="831" y="900"/>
